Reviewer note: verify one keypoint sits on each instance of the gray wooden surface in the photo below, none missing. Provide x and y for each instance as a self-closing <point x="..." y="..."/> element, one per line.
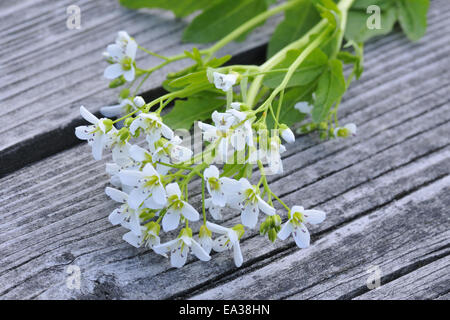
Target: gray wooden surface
<point x="386" y="191"/>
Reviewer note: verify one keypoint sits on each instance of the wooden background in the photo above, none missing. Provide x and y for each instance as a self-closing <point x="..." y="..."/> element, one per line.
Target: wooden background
<point x="386" y="191"/>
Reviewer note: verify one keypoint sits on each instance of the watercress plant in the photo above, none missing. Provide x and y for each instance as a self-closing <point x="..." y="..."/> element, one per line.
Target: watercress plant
<point x="244" y="112"/>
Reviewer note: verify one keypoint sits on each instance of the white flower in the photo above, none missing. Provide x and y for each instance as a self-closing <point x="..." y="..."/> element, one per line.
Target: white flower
<point x="122" y="55"/>
<point x="124" y="107"/>
<point x="204" y="239"/>
<point x="148" y="187"/>
<point x="235" y="138"/>
<point x="219" y="188"/>
<point x="124" y="215"/>
<point x="223" y="120"/>
<point x="179" y="249"/>
<point x="177" y="208"/>
<point x="178" y="153"/>
<point x="345" y="131"/>
<point x="296" y="226"/>
<point x="142" y="156"/>
<point x="213" y="209"/>
<point x="229" y="240"/>
<point x="224" y="81"/>
<point x="153" y="126"/>
<point x="98" y="134"/>
<point x="249" y="201"/>
<point x="304" y="107"/>
<point x="287" y="134"/>
<point x="272" y="155"/>
<point x="113" y="169"/>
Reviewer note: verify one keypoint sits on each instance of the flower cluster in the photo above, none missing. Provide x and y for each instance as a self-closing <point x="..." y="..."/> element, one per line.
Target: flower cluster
<point x="152" y="167"/>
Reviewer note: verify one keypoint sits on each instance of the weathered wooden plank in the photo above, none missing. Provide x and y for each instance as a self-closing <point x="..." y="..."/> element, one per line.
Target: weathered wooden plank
<point x="431" y="281"/>
<point x="53" y="213"/>
<point x="64" y="228"/>
<point x="47" y="71"/>
<point x="387" y="238"/>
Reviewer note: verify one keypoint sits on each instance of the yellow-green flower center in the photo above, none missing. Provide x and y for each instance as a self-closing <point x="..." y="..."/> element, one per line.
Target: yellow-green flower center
<point x="150" y="181"/>
<point x="298" y="218"/>
<point x="175" y="202"/>
<point x="214" y="183"/>
<point x="126" y="63"/>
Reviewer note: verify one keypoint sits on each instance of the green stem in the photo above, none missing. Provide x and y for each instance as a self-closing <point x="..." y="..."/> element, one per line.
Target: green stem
<point x="249" y="25"/>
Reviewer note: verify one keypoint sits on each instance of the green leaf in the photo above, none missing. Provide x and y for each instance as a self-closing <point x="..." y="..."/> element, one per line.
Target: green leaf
<point x="297" y="21"/>
<point x="288" y="114"/>
<point x="180" y="8"/>
<point x="412" y="15"/>
<point x="186" y="112"/>
<point x="220" y="19"/>
<point x="357" y="29"/>
<point x="308" y="71"/>
<point x="190" y="79"/>
<point x="364" y="4"/>
<point x="330" y="88"/>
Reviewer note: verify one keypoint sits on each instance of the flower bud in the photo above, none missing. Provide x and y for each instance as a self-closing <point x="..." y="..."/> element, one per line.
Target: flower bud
<point x="117" y="82"/>
<point x="108" y="124"/>
<point x="124" y="93"/>
<point x="272" y="235"/>
<point x="139" y="101"/>
<point x="128" y="121"/>
<point x="124" y="134"/>
<point x="147" y="214"/>
<point x="287" y="134"/>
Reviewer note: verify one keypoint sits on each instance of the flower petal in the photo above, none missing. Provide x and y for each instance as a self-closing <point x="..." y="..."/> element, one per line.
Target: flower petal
<point x="116" y="195"/>
<point x="249" y="216"/>
<point x="265" y="207"/>
<point x="136" y="197"/>
<point x="216" y="228"/>
<point x="221" y="244"/>
<point x="113" y="71"/>
<point x="112" y="111"/>
<point x="301" y="236"/>
<point x="189" y="212"/>
<point x="237" y="255"/>
<point x="199" y="251"/>
<point x="285" y="231"/>
<point x="159" y="195"/>
<point x="130" y="177"/>
<point x="211" y="172"/>
<point x="314" y="216"/>
<point x="166" y="131"/>
<point x="129" y="74"/>
<point x="173" y="189"/>
<point x="89" y="117"/>
<point x="178" y="256"/>
<point x="97" y="146"/>
<point x="133" y="239"/>
<point x="170" y="220"/>
<point x="83" y="132"/>
<point x="138" y="153"/>
<point x="116" y="217"/>
<point x="131" y="49"/>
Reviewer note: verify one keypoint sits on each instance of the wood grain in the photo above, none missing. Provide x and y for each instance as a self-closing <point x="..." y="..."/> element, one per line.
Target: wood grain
<point x="47" y="70"/>
<point x="386" y="192"/>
